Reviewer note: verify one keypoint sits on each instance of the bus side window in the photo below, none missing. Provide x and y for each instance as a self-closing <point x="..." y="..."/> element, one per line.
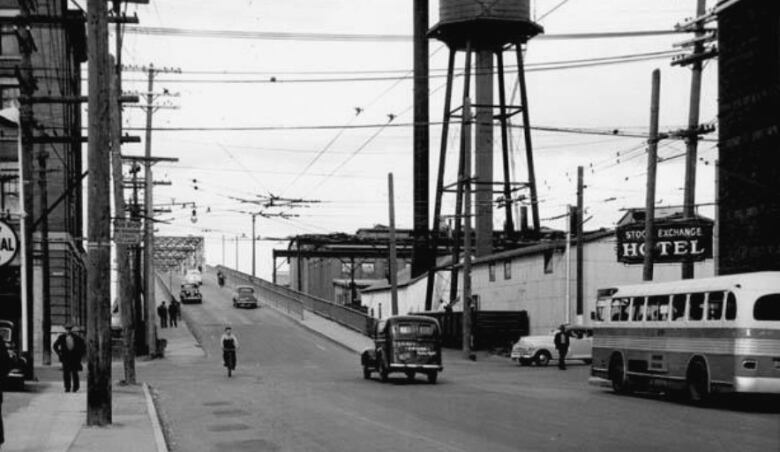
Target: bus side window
<point x="637" y="308"/>
<point x="731" y="306"/>
<point x="678" y="307"/>
<point x="696" y="308"/>
<point x="658" y="307"/>
<point x="715" y="306"/>
<point x="619" y="309"/>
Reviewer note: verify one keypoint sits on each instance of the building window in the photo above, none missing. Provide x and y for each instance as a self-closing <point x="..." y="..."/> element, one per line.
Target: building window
<point x="367" y="267"/>
<point x="346" y="268"/>
<point x="548" y="261"/>
<point x="492" y="271"/>
<point x="508" y="269"/>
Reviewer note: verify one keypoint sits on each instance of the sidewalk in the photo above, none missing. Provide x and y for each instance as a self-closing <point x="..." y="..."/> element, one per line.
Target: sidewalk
<point x="55" y="421"/>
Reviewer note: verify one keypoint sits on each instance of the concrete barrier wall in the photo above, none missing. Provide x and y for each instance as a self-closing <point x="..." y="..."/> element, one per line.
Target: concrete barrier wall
<point x="294" y="302"/>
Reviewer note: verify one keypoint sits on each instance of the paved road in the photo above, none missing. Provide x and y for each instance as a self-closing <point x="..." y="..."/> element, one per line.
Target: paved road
<point x="295" y="391"/>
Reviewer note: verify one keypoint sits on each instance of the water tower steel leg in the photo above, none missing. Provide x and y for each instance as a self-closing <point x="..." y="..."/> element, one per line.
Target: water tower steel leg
<point x="509" y="225"/>
<point x="459" y="190"/>
<point x="445" y="130"/>
<point x="529" y="154"/>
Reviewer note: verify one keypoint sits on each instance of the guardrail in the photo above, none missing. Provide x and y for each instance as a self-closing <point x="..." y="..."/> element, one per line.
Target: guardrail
<point x="296" y="302"/>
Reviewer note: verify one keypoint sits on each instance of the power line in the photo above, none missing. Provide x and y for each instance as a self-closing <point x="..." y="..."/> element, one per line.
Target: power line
<point x="353" y="37"/>
<point x="537" y="67"/>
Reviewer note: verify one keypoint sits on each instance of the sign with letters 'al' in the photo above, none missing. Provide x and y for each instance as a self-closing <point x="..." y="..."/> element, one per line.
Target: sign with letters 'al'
<point x="674" y="242"/>
<point x="9" y="243"/>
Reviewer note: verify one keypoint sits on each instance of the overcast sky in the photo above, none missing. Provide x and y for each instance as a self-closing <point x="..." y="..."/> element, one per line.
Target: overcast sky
<point x="350" y="177"/>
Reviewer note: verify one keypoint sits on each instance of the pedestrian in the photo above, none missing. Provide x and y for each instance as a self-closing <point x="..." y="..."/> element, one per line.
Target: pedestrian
<point x="562" y="345"/>
<point x="5" y="366"/>
<point x="70" y="348"/>
<point x="162" y="313"/>
<point x="173" y="314"/>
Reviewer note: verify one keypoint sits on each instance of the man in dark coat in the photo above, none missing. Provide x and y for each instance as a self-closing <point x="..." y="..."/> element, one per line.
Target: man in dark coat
<point x="562" y="345"/>
<point x="70" y="348"/>
<point x="162" y="313"/>
<point x="173" y="314"/>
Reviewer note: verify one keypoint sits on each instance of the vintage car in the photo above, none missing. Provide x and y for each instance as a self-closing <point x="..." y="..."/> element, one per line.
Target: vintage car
<point x="193" y="276"/>
<point x="19" y="366"/>
<point x="244" y="297"/>
<point x="541" y="349"/>
<point x="410" y="344"/>
<point x="190" y="294"/>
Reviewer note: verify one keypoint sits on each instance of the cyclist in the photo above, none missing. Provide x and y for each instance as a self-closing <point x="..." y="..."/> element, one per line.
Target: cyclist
<point x="229" y="346"/>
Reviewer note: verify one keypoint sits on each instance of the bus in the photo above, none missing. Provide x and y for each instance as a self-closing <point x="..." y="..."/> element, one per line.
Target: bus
<point x="696" y="336"/>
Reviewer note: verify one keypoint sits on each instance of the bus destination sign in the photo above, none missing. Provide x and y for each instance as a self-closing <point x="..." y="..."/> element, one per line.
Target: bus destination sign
<point x="674" y="242"/>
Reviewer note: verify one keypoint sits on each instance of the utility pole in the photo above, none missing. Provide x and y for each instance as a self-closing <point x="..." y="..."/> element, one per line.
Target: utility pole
<point x="99" y="224"/>
<point x="149" y="299"/>
<point x="236" y="253"/>
<point x="422" y="254"/>
<point x="393" y="261"/>
<point x="567" y="290"/>
<point x="139" y="311"/>
<point x="27" y="87"/>
<point x="692" y="139"/>
<point x="652" y="161"/>
<point x="580" y="219"/>
<point x="125" y="287"/>
<point x="45" y="267"/>
<point x="465" y="180"/>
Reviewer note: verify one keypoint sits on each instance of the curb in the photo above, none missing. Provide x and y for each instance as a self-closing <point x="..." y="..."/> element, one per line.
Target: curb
<point x="159" y="437"/>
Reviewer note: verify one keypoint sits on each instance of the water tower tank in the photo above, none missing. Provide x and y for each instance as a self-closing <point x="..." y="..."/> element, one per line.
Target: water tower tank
<point x="484" y="23"/>
<point x="463" y="10"/>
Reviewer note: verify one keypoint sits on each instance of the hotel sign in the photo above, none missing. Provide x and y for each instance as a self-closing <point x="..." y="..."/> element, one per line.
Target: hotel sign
<point x="674" y="242"/>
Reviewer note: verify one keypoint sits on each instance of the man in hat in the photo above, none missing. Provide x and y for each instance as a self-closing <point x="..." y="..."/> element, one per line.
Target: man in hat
<point x="70" y="348"/>
<point x="562" y="345"/>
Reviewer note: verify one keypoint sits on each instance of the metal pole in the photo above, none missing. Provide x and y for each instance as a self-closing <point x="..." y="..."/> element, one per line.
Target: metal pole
<point x="99" y="219"/>
<point x="529" y="153"/>
<point x="579" y="231"/>
<point x="253" y="245"/>
<point x="421" y="255"/>
<point x="445" y="129"/>
<point x="652" y="157"/>
<point x="689" y="197"/>
<point x="393" y="262"/>
<point x="151" y="314"/>
<point x="716" y="227"/>
<point x="465" y="129"/>
<point x="509" y="224"/>
<point x="567" y="289"/>
<point x="45" y="265"/>
<point x="465" y="179"/>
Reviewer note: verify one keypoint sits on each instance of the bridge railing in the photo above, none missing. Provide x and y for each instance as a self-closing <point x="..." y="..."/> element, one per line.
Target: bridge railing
<point x="295" y="302"/>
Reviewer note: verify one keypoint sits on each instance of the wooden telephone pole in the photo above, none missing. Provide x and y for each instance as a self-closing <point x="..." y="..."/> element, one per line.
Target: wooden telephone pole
<point x="99" y="220"/>
<point x="393" y="261"/>
<point x="652" y="162"/>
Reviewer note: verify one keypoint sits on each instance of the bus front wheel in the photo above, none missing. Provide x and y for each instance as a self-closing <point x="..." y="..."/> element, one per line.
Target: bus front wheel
<point x="617" y="374"/>
<point x="697" y="382"/>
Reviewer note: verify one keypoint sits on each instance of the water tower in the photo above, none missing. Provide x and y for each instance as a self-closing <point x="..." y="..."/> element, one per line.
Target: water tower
<point x="485" y="29"/>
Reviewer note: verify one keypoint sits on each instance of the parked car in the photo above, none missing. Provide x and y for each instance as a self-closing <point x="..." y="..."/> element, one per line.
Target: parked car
<point x="193" y="276"/>
<point x="244" y="297"/>
<point x="410" y="344"/>
<point x="541" y="349"/>
<point x="19" y="367"/>
<point x="190" y="294"/>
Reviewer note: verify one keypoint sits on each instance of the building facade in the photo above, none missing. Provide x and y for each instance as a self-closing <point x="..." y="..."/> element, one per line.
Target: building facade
<point x="58" y="53"/>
